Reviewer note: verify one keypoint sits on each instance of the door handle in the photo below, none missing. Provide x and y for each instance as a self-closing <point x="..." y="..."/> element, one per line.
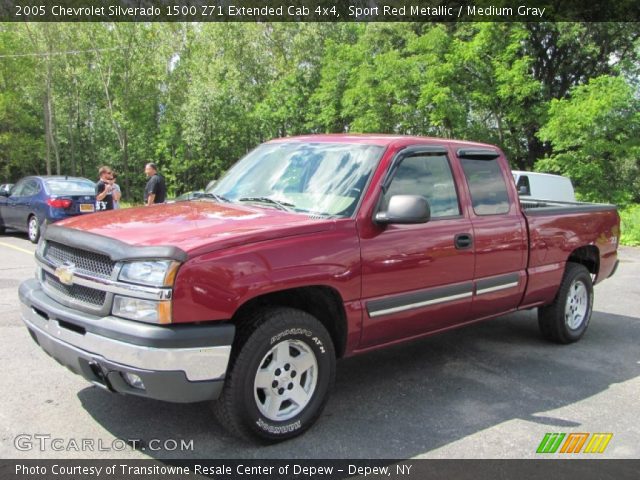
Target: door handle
<point x="463" y="241"/>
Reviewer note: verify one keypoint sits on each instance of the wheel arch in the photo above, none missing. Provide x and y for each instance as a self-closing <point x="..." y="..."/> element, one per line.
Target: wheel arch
<point x="323" y="302"/>
<point x="589" y="256"/>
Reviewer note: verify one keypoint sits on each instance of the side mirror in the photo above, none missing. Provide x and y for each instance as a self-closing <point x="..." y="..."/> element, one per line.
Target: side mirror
<point x="523" y="190"/>
<point x="405" y="209"/>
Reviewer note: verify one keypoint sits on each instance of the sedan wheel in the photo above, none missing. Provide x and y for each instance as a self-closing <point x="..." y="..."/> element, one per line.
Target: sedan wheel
<point x="33" y="229"/>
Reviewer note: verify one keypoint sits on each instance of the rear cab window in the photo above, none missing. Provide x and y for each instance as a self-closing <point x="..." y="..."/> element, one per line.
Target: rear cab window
<point x="489" y="195"/>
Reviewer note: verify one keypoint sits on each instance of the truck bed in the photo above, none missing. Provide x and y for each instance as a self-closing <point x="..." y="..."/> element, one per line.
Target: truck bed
<point x="533" y="206"/>
<point x="556" y="229"/>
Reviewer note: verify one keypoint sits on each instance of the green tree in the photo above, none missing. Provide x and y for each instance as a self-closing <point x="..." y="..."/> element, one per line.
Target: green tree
<point x="21" y="125"/>
<point x="595" y="137"/>
<point x="195" y="97"/>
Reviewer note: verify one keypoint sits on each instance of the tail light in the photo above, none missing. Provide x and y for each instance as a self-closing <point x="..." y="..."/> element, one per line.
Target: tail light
<point x="59" y="202"/>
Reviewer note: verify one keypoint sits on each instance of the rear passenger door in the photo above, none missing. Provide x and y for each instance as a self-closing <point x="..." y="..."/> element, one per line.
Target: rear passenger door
<point x="499" y="232"/>
<point x="418" y="278"/>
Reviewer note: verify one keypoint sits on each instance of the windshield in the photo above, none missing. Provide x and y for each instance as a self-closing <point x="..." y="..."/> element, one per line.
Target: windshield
<point x="317" y="178"/>
<point x="71" y="187"/>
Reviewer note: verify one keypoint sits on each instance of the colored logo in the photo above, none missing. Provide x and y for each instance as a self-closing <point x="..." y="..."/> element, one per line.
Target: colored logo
<point x="573" y="442"/>
<point x="64" y="273"/>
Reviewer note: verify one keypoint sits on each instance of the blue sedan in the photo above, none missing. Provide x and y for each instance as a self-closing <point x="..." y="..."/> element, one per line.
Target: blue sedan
<point x="36" y="200"/>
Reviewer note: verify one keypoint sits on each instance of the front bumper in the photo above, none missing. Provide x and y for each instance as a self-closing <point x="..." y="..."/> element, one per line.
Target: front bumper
<point x="180" y="363"/>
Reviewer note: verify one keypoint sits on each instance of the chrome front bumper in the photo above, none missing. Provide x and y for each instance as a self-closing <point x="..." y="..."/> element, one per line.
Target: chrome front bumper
<point x="176" y="363"/>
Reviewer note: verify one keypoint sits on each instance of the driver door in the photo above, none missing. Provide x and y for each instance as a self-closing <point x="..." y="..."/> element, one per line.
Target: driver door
<point x="418" y="278"/>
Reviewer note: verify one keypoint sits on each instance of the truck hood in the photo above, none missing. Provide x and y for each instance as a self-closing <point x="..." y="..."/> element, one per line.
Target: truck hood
<point x="197" y="226"/>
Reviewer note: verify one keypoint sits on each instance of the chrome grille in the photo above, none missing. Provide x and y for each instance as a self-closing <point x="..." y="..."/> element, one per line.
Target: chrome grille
<point x="79" y="293"/>
<point x="84" y="260"/>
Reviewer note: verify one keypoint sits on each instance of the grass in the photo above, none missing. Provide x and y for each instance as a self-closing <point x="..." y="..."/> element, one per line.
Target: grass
<point x="630" y="225"/>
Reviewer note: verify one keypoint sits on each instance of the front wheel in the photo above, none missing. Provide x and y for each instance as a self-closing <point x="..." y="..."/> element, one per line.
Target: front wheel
<point x="279" y="376"/>
<point x="567" y="318"/>
<point x="33" y="229"/>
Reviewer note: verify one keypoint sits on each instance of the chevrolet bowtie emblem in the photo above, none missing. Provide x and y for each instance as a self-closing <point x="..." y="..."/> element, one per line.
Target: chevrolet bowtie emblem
<point x="64" y="273"/>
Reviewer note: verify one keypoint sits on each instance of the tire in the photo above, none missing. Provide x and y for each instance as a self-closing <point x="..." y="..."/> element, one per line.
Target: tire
<point x="272" y="399"/>
<point x="33" y="229"/>
<point x="567" y="318"/>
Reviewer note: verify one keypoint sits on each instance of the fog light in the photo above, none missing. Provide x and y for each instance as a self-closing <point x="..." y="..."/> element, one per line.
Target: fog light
<point x="149" y="311"/>
<point x="133" y="380"/>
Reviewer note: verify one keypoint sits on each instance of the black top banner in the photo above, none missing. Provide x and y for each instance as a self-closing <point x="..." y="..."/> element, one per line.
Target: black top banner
<point x="319" y="11"/>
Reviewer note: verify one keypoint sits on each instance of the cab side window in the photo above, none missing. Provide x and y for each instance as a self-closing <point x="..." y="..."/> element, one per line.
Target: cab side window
<point x="429" y="176"/>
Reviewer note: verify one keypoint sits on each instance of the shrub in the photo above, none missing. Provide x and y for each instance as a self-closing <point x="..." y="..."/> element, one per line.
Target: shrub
<point x="630" y="217"/>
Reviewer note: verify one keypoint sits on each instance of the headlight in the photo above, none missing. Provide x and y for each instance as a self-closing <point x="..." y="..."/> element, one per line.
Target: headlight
<point x="155" y="273"/>
<point x="148" y="311"/>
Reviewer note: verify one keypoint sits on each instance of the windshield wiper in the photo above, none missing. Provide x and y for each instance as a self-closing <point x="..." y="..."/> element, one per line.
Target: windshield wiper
<point x="216" y="197"/>
<point x="311" y="213"/>
<point x="287" y="207"/>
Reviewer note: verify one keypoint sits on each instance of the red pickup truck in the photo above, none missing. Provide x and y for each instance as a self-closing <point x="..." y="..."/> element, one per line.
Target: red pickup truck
<point x="309" y="249"/>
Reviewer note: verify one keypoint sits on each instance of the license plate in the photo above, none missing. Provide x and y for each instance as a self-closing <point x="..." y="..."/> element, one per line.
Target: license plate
<point x="87" y="207"/>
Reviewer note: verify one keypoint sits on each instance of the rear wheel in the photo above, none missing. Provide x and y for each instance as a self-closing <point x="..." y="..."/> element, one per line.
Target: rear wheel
<point x="33" y="229"/>
<point x="279" y="377"/>
<point x="567" y="318"/>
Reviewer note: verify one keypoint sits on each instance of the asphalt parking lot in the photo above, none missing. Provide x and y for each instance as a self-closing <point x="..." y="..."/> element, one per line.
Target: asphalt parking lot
<point x="487" y="391"/>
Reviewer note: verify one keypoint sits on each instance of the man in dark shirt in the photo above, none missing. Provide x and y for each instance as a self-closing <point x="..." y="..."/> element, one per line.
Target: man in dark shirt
<point x="105" y="194"/>
<point x="155" y="191"/>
